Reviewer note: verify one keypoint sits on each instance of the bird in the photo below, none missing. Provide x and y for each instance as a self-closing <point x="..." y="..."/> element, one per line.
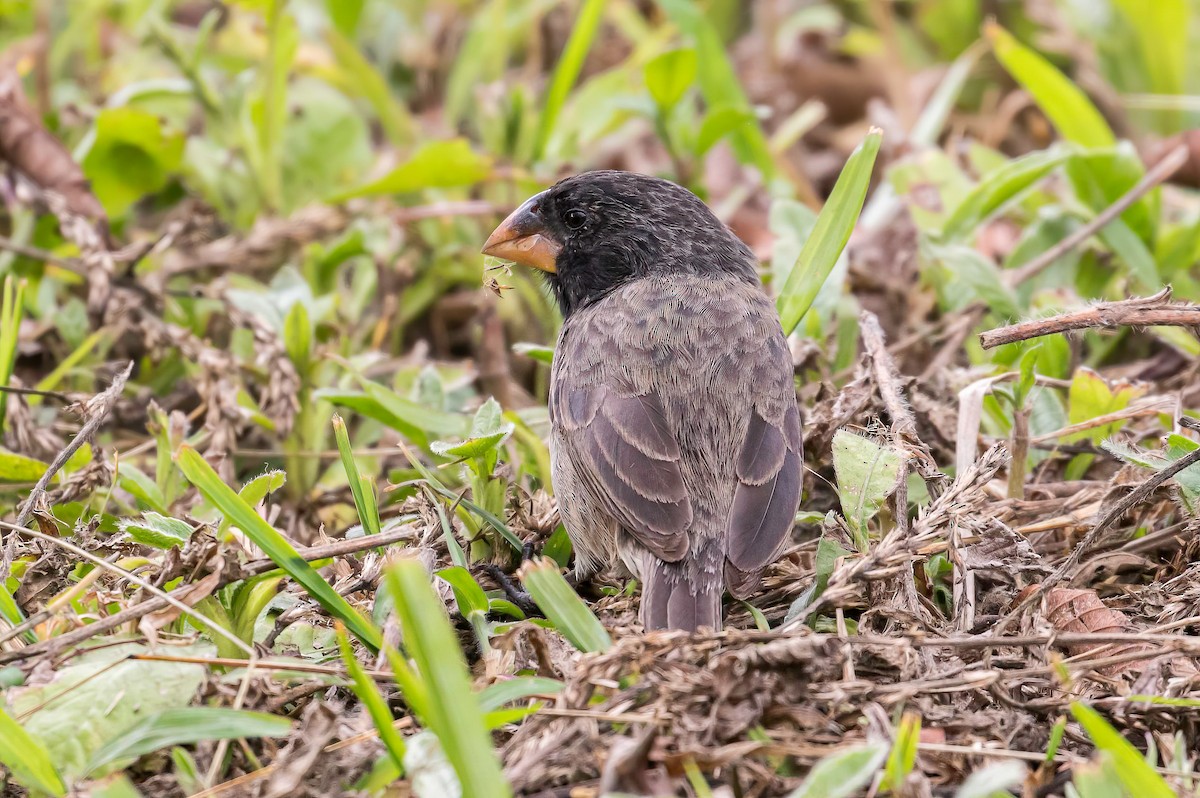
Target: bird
<point x="676" y="443"/>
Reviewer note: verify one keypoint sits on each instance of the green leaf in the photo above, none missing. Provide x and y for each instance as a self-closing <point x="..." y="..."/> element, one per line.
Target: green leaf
<point x="345" y="14"/>
<point x="453" y="708"/>
<point x="668" y="77"/>
<point x="184" y="726"/>
<point x="19" y="468"/>
<point x="159" y="531"/>
<point x="368" y="509"/>
<point x="28" y="759"/>
<point x="273" y="544"/>
<point x="1068" y="108"/>
<point x="719" y="123"/>
<point x="566" y="72"/>
<point x="970" y="276"/>
<point x="828" y="552"/>
<point x="563" y="606"/>
<point x="999" y="187"/>
<point x="128" y="155"/>
<point x="10" y="333"/>
<point x="467" y="592"/>
<point x="143" y="488"/>
<point x="867" y="474"/>
<point x="298" y="335"/>
<point x="326" y="144"/>
<point x="368" y="693"/>
<point x="488" y="430"/>
<point x="257" y="489"/>
<point x="829" y="236"/>
<point x="1135" y="774"/>
<point x="1089" y="397"/>
<point x="498" y="694"/>
<point x="843" y="773"/>
<point x="903" y="755"/>
<point x="438" y="164"/>
<point x="539" y="352"/>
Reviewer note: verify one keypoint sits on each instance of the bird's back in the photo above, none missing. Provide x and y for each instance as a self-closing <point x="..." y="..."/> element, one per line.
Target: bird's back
<point x="710" y="356"/>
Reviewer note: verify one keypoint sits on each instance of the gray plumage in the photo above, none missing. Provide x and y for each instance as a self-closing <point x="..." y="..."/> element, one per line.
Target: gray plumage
<point x="676" y="442"/>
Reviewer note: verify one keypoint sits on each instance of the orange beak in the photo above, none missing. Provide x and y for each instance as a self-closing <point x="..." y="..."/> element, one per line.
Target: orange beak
<point x="523" y="238"/>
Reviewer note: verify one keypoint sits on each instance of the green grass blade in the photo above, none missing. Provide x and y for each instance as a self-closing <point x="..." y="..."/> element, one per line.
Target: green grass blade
<point x="1063" y="103"/>
<point x="184" y="726"/>
<point x="416" y="694"/>
<point x="570" y="64"/>
<point x="1135" y="774"/>
<point x="273" y="544"/>
<point x="998" y="187"/>
<point x="360" y="486"/>
<point x="28" y="759"/>
<point x="563" y="606"/>
<point x="453" y="708"/>
<point x="10" y="325"/>
<point x="364" y="687"/>
<point x="843" y="773"/>
<point x="830" y="234"/>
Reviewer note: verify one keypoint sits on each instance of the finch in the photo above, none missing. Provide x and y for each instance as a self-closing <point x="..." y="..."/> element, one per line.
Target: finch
<point x="675" y="443"/>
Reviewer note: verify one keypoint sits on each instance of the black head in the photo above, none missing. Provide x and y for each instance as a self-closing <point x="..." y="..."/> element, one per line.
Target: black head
<point x="596" y="231"/>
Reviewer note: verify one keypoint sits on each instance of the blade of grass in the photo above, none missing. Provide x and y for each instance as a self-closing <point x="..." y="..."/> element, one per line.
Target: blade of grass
<point x="563" y="606"/>
<point x="10" y="324"/>
<point x="361" y="488"/>
<point x="453" y="710"/>
<point x="28" y="759"/>
<point x="364" y="687"/>
<point x="830" y="234"/>
<point x="566" y="72"/>
<point x="273" y="544"/>
<point x="1135" y="774"/>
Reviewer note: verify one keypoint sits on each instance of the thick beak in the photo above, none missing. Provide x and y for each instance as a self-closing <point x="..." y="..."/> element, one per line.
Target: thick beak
<point x="522" y="238"/>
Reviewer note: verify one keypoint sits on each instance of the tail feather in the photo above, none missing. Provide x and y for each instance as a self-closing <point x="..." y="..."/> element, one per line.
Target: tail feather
<point x="673" y="600"/>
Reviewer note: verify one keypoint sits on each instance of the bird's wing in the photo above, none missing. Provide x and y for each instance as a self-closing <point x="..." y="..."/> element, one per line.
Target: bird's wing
<point x="769" y="464"/>
<point x="623" y="447"/>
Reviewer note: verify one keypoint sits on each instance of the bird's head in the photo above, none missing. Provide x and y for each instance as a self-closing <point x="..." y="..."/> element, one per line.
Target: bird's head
<point x="599" y="230"/>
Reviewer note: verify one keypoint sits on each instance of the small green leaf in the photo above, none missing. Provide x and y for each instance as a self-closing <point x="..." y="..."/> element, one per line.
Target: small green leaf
<point x="467" y="592"/>
<point x="439" y="164"/>
<point x="143" y="488"/>
<point x="539" y="352"/>
<point x="298" y="335"/>
<point x="904" y="753"/>
<point x="159" y="531"/>
<point x="993" y="781"/>
<point x="999" y="187"/>
<point x="360" y="487"/>
<point x="563" y="606"/>
<point x="128" y="156"/>
<point x="843" y="773"/>
<point x="668" y="76"/>
<point x="19" y="468"/>
<point x="829" y="236"/>
<point x="273" y="544"/>
<point x="488" y="430"/>
<point x="27" y="758"/>
<point x="719" y="123"/>
<point x="498" y="694"/>
<point x="1135" y="774"/>
<point x="867" y="474"/>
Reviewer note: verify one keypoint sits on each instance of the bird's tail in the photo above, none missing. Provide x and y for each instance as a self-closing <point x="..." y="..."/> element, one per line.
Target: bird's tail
<point x="672" y="598"/>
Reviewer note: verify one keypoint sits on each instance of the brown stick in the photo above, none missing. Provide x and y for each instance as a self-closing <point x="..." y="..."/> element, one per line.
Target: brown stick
<point x="1148" y="311"/>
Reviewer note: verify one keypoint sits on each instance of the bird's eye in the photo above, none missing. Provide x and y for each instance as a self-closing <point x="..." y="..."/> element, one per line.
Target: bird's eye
<point x="575" y="219"/>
